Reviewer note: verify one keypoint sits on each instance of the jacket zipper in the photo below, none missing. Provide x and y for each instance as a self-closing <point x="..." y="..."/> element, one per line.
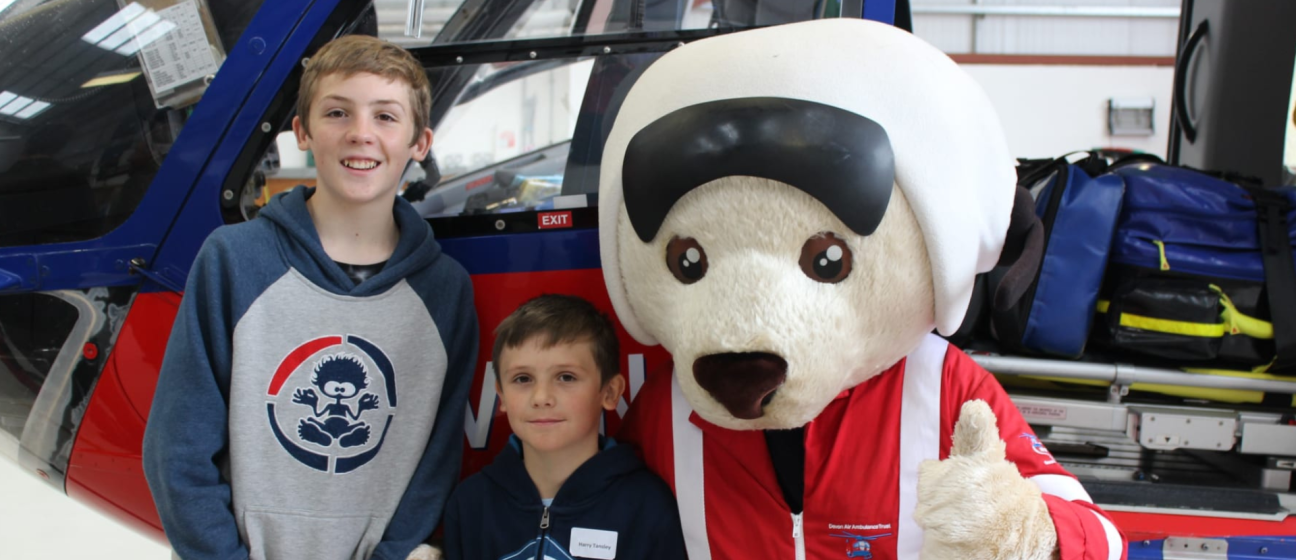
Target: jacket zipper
<point x="798" y="540"/>
<point x="544" y="528"/>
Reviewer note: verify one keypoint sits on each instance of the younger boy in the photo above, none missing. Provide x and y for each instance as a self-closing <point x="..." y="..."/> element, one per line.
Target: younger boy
<point x="558" y="490"/>
<point x="311" y="402"/>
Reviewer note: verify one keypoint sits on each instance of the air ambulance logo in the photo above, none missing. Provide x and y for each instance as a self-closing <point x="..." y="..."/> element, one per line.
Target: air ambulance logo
<point x="1038" y="447"/>
<point x="331" y="402"/>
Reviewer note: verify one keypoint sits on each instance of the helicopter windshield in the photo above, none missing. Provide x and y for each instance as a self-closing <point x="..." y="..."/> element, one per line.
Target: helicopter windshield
<point x="83" y="130"/>
<point x="510" y="103"/>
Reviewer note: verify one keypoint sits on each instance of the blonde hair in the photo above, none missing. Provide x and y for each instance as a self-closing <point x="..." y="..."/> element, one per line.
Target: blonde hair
<point x="354" y="54"/>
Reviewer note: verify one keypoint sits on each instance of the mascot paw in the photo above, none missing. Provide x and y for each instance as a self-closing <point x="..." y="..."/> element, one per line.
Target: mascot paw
<point x="975" y="505"/>
<point x="425" y="552"/>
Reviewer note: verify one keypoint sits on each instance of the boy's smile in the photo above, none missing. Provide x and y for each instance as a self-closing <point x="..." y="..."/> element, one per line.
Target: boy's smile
<point x="361" y="128"/>
<point x="555" y="397"/>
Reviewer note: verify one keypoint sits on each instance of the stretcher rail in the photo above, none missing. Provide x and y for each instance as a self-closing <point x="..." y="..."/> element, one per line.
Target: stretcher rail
<point x="1124" y="374"/>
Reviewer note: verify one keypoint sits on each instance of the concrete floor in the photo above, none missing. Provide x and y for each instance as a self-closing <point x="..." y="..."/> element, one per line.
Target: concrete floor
<point x="38" y="523"/>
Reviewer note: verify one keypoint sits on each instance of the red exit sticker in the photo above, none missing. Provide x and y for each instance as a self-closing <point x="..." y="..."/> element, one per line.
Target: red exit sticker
<point x="550" y="220"/>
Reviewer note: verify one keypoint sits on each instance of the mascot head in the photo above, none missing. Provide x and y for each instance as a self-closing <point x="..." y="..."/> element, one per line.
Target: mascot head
<point x="790" y="210"/>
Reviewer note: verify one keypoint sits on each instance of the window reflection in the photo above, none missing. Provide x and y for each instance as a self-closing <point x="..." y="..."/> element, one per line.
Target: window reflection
<point x="81" y="133"/>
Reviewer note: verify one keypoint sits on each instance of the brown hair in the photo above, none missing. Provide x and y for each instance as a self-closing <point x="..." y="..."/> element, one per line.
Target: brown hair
<point x="353" y="54"/>
<point x="561" y="319"/>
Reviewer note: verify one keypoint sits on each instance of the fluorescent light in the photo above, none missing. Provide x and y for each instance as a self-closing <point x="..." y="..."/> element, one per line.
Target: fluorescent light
<point x="141" y="23"/>
<point x="32" y="110"/>
<point x="18" y="104"/>
<point x="110" y="80"/>
<point x="117" y="39"/>
<point x="111" y="24"/>
<point x="129" y="30"/>
<point x="148" y="36"/>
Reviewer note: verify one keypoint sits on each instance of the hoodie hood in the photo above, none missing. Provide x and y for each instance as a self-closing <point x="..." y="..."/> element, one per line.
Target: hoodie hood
<point x="300" y="246"/>
<point x="587" y="483"/>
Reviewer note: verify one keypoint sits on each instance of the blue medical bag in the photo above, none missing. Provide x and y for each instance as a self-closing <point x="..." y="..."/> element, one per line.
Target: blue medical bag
<point x="1078" y="205"/>
<point x="1201" y="271"/>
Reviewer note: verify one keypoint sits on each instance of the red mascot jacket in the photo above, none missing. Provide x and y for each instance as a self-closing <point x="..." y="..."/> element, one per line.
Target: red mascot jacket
<point x="861" y="467"/>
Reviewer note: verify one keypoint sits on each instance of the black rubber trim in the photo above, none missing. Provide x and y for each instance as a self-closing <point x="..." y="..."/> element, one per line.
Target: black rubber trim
<point x="509" y="223"/>
<point x="1280" y="273"/>
<point x="1181" y="82"/>
<point x="1173" y="496"/>
<point x="493" y="50"/>
<point x="841" y="158"/>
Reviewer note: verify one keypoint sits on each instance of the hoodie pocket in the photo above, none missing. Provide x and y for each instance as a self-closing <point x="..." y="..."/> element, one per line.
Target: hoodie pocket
<point x="291" y="535"/>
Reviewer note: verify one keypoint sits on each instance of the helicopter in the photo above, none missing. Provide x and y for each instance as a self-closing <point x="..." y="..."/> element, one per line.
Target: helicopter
<point x="859" y="545"/>
<point x="130" y="131"/>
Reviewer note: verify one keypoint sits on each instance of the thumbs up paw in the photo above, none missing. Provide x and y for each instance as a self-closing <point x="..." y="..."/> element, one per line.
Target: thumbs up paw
<point x="425" y="552"/>
<point x="975" y="504"/>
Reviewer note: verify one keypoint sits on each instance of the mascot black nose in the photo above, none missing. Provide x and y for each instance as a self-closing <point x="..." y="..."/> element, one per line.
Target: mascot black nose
<point x="743" y="382"/>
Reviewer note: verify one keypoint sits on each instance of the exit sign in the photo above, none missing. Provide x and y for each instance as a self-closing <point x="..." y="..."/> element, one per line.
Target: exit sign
<point x="550" y="220"/>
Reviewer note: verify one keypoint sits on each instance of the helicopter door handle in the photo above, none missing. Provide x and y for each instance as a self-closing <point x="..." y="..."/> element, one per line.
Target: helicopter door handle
<point x="1181" y="82"/>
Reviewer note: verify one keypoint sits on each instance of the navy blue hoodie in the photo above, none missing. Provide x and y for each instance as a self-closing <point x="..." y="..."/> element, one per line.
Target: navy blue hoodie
<point x="497" y="514"/>
<point x="300" y="415"/>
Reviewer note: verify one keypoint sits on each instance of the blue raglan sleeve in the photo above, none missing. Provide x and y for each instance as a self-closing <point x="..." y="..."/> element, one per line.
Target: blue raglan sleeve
<point x="187" y="432"/>
<point x="425" y="498"/>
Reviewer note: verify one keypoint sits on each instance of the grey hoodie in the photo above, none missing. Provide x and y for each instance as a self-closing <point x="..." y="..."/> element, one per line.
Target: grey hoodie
<point x="299" y="415"/>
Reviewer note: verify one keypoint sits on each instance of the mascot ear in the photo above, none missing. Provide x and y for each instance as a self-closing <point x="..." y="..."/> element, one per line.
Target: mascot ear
<point x="1022" y="253"/>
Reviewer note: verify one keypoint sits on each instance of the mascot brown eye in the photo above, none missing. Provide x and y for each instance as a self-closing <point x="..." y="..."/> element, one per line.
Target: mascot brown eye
<point x="826" y="258"/>
<point x="686" y="259"/>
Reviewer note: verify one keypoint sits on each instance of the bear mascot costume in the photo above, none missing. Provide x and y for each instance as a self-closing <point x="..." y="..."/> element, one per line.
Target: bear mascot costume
<point x="791" y="212"/>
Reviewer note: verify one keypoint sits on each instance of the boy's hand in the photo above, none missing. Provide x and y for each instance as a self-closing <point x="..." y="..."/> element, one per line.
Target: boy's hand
<point x="425" y="552"/>
<point x="306" y="397"/>
<point x="369" y="401"/>
<point x="976" y="505"/>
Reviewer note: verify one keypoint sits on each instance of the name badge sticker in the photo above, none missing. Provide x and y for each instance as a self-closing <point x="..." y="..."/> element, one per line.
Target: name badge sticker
<point x="593" y="543"/>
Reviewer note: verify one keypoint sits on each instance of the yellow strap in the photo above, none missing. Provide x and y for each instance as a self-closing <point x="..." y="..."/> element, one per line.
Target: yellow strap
<point x="1232" y="321"/>
<point x="1204" y="393"/>
<point x="1206" y="330"/>
<point x="1165" y="264"/>
<point x="1239" y="322"/>
<point x="1265" y="369"/>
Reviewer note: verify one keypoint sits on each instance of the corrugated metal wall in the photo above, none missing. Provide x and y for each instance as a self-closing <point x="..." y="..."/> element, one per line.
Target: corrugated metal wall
<point x="1150" y="33"/>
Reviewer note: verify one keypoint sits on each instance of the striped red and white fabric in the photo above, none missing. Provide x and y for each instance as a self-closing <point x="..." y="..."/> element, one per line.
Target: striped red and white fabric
<point x="862" y="456"/>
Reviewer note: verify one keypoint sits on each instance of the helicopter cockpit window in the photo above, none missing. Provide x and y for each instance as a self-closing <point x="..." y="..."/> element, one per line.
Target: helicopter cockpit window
<point x="446" y="21"/>
<point x="516" y="132"/>
<point x="81" y="131"/>
<point x="34" y="331"/>
<point x="505" y="145"/>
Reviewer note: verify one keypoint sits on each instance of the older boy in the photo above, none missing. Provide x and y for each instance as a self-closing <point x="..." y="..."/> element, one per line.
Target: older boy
<point x="558" y="490"/>
<point x="310" y="404"/>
